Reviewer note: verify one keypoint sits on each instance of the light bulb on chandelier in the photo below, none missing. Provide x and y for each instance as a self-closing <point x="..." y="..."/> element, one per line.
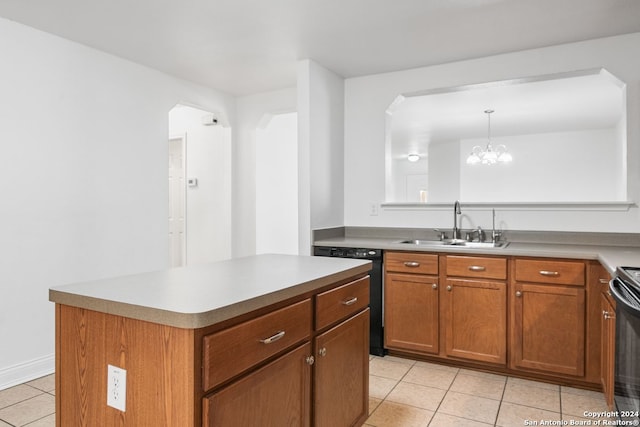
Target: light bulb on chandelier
<point x="489" y="155"/>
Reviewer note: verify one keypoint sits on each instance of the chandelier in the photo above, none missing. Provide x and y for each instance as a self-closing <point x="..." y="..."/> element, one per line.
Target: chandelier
<point x="489" y="155"/>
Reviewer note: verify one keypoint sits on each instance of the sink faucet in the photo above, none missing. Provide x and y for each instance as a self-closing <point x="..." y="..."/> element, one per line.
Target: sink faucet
<point x="456" y="212"/>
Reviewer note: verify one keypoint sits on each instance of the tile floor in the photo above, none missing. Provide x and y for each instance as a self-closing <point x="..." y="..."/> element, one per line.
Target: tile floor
<point x="403" y="393"/>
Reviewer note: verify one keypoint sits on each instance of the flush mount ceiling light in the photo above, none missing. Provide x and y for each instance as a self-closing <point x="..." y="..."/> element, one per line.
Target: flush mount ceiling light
<point x="489" y="155"/>
<point x="413" y="157"/>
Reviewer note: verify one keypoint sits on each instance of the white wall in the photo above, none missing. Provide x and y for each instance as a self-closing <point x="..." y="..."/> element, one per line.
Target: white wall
<point x="84" y="178"/>
<point x="277" y="185"/>
<point x="367" y="98"/>
<point x="251" y="111"/>
<point x="208" y="205"/>
<point x="321" y="150"/>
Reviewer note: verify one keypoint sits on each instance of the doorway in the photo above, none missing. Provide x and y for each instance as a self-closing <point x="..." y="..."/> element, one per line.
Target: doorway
<point x="199" y="187"/>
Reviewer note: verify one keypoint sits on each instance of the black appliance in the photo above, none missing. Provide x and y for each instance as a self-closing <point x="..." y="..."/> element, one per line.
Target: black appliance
<point x="625" y="289"/>
<point x="376" y="336"/>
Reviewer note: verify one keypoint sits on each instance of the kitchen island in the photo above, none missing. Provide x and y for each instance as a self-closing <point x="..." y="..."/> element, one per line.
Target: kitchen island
<point x="263" y="340"/>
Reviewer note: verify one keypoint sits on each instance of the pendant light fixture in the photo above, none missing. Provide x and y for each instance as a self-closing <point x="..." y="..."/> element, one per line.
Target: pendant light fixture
<point x="489" y="155"/>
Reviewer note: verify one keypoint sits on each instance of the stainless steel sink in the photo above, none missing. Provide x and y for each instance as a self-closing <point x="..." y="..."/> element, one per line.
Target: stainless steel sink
<point x="457" y="242"/>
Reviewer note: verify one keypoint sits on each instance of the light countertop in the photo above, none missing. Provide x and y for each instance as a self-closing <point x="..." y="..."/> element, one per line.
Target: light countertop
<point x="202" y="295"/>
<point x="611" y="257"/>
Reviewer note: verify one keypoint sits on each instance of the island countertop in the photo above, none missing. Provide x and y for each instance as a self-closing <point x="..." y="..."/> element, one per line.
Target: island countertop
<point x="202" y="295"/>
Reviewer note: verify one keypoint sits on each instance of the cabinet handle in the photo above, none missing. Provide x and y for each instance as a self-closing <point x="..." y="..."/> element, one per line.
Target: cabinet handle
<point x="518" y="294"/>
<point x="273" y="338"/>
<point x="434" y="286"/>
<point x="310" y="360"/>
<point x="604" y="281"/>
<point x="412" y="264"/>
<point x="607" y="315"/>
<point x="349" y="301"/>
<point x="322" y="352"/>
<point x="477" y="268"/>
<point x="449" y="288"/>
<point x="549" y="273"/>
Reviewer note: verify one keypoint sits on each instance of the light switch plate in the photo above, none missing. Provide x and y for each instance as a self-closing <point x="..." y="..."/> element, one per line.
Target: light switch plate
<point x="116" y="387"/>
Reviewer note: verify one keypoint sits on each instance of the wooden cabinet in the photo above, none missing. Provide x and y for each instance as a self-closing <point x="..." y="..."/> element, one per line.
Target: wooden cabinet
<point x="268" y="369"/>
<point x="605" y="316"/>
<point x="278" y="394"/>
<point x="411" y="315"/>
<point x="608" y="347"/>
<point x="329" y="368"/>
<point x="341" y="374"/>
<point x="474" y="309"/>
<point x="548" y="317"/>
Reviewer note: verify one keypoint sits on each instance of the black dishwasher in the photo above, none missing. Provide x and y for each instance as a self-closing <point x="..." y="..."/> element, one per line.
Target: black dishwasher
<point x="376" y="336"/>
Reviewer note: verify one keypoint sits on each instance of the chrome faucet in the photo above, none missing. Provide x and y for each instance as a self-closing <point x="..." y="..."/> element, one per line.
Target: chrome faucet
<point x="456" y="212"/>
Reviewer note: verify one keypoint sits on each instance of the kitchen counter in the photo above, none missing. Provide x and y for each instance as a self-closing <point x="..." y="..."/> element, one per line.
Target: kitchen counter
<point x="202" y="295"/>
<point x="610" y="256"/>
<point x="202" y="345"/>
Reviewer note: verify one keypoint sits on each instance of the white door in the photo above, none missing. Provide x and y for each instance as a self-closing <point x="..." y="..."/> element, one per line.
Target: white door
<point x="177" y="246"/>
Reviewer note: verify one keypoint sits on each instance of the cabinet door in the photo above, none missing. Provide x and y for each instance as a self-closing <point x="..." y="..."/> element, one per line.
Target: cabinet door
<point x="341" y="382"/>
<point x="548" y="328"/>
<point x="276" y="395"/>
<point x="475" y="315"/>
<point x="411" y="313"/>
<point x="607" y="347"/>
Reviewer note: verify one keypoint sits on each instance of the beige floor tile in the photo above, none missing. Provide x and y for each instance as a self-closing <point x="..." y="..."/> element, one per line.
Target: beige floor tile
<point x="437" y="366"/>
<point x="470" y="407"/>
<point x="390" y="414"/>
<point x="49" y="421"/>
<point x="430" y="377"/>
<point x="373" y="404"/>
<point x="399" y="360"/>
<point x="479" y="386"/>
<point x="29" y="410"/>
<point x="379" y="387"/>
<point x="47" y="383"/>
<point x="576" y="404"/>
<point x="525" y="394"/>
<point x="416" y="395"/>
<point x="531" y="383"/>
<point x="487" y="375"/>
<point x="13" y="395"/>
<point x="3" y="424"/>
<point x="445" y="420"/>
<point x="388" y="369"/>
<point x="511" y="415"/>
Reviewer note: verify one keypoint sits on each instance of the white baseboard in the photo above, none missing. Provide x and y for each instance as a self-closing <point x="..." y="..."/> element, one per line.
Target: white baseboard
<point x="27" y="371"/>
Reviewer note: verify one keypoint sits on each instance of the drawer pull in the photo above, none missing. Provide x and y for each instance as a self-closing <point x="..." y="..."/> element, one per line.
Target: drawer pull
<point x="607" y="315"/>
<point x="412" y="264"/>
<point x="604" y="281"/>
<point x="322" y="352"/>
<point x="449" y="288"/>
<point x="350" y="301"/>
<point x="477" y="268"/>
<point x="310" y="360"/>
<point x="273" y="338"/>
<point x="549" y="273"/>
<point x="434" y="286"/>
<point x="518" y="294"/>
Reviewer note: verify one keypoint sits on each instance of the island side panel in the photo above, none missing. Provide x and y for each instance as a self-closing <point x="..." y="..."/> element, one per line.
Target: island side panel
<point x="159" y="361"/>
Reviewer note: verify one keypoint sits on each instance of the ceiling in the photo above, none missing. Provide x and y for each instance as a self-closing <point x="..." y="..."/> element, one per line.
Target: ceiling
<point x="250" y="46"/>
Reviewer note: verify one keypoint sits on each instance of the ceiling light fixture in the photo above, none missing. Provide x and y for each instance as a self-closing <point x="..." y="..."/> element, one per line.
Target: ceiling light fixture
<point x="489" y="155"/>
<point x="413" y="157"/>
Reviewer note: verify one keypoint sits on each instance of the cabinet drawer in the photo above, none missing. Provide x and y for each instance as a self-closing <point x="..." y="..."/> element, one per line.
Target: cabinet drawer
<point x="411" y="262"/>
<point x="341" y="302"/>
<point x="484" y="267"/>
<point x="236" y="349"/>
<point x="547" y="271"/>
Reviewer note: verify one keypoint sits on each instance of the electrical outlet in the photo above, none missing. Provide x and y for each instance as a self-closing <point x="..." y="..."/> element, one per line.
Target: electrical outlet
<point x="116" y="387"/>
